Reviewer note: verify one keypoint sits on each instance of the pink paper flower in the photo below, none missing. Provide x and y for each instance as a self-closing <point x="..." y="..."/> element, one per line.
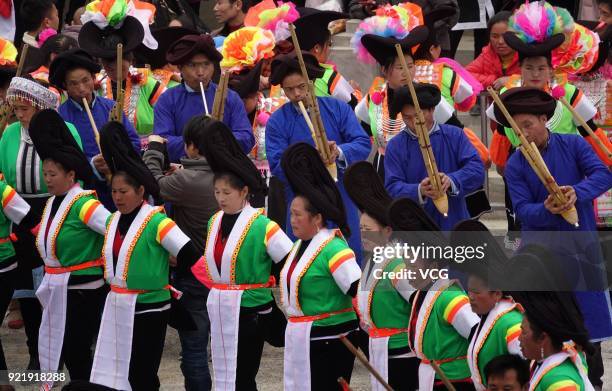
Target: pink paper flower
<point x="44" y="35"/>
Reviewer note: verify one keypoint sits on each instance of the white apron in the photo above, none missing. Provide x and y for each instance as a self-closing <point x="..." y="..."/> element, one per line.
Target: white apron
<point x="297" y="335"/>
<point x="478" y="340"/>
<point x="223" y="303"/>
<point x="111" y="365"/>
<point x="53" y="291"/>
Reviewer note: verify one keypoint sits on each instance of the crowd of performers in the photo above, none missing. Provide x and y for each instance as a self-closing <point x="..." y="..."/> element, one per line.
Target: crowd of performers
<point x="221" y="135"/>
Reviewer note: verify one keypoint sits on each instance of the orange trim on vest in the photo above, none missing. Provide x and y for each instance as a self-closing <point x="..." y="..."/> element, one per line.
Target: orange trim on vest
<point x="500" y="149"/>
<point x="73" y="268"/>
<point x="313" y="318"/>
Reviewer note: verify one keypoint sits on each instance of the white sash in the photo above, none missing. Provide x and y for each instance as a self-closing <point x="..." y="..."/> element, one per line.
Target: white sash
<point x="53" y="291"/>
<point x="427" y="375"/>
<point x="379" y="358"/>
<point x="53" y="295"/>
<point x="224" y="305"/>
<point x="111" y="365"/>
<point x="297" y="335"/>
<point x="478" y="340"/>
<point x="296" y="361"/>
<point x="555" y="360"/>
<point x="224" y="313"/>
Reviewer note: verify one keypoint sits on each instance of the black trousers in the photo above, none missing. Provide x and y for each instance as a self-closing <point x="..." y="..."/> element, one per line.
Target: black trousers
<point x="83" y="314"/>
<point x="31" y="312"/>
<point x="147" y="347"/>
<point x="404" y="373"/>
<point x="250" y="348"/>
<point x="7" y="286"/>
<point x="330" y="360"/>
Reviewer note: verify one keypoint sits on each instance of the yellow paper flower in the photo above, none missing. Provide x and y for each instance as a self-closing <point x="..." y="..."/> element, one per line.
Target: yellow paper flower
<point x="246" y="47"/>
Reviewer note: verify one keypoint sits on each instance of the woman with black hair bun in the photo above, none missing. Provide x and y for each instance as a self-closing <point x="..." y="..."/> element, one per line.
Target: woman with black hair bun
<point x="319" y="279"/>
<point x="243" y="249"/>
<point x="139" y="241"/>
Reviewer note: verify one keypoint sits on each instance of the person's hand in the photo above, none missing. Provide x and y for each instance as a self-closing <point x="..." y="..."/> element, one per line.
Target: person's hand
<point x="156" y="139"/>
<point x="427" y="189"/>
<point x="499" y="83"/>
<point x="334" y="151"/>
<point x="100" y="165"/>
<point x="551" y="205"/>
<point x="368" y="6"/>
<point x="445" y="181"/>
<point x="173" y="168"/>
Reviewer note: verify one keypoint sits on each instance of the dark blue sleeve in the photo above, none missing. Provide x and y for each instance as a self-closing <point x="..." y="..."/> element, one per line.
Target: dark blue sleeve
<point x="356" y="143"/>
<point x="236" y="117"/>
<point x="470" y="176"/>
<point x="395" y="180"/>
<point x="276" y="143"/>
<point x="163" y="125"/>
<point x="527" y="209"/>
<point x="598" y="179"/>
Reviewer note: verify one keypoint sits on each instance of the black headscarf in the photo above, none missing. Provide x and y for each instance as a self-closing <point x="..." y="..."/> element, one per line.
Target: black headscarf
<point x="103" y="43"/>
<point x="535" y="49"/>
<point x="428" y="95"/>
<point x="308" y="177"/>
<point x="224" y="154"/>
<point x="285" y="64"/>
<point x="246" y="82"/>
<point x="525" y="100"/>
<point x="492" y="269"/>
<point x="52" y="140"/>
<point x="182" y="51"/>
<point x="366" y="189"/>
<point x="119" y="154"/>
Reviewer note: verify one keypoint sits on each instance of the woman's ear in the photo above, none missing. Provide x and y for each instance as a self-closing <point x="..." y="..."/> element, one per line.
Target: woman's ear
<point x="141" y="191"/>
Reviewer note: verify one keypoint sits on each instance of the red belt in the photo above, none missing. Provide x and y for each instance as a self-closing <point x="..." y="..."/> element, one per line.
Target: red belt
<point x="443" y="361"/>
<point x="375" y="332"/>
<point x="314" y="318"/>
<point x="11" y="238"/>
<point x="127" y="291"/>
<point x="241" y="287"/>
<point x="68" y="269"/>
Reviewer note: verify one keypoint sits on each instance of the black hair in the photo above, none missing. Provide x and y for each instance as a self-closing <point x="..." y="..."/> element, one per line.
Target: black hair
<point x="523" y="58"/>
<point x="127" y="56"/>
<point x="194" y="131"/>
<point x="422" y="52"/>
<point x="310" y="208"/>
<point x="605" y="2"/>
<point x="234" y="180"/>
<point x="130" y="180"/>
<point x="57" y="44"/>
<point x="537" y="332"/>
<point x="60" y="165"/>
<point x="499" y="365"/>
<point x="246" y="4"/>
<point x="324" y="38"/>
<point x="501" y="16"/>
<point x="33" y="12"/>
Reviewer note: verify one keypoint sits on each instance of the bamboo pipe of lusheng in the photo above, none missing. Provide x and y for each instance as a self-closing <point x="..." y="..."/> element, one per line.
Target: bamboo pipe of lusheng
<point x="116" y="113"/>
<point x="362" y="358"/>
<point x="441" y="202"/>
<point x="532" y="154"/>
<point x="318" y="128"/>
